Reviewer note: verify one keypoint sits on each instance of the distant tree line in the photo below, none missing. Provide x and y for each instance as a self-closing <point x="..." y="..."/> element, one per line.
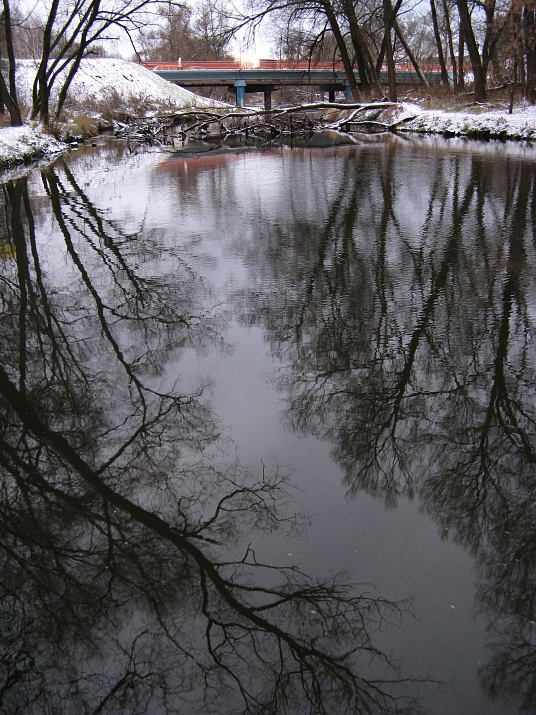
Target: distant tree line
<point x="475" y="42"/>
<point x="493" y="40"/>
<point x="191" y="33"/>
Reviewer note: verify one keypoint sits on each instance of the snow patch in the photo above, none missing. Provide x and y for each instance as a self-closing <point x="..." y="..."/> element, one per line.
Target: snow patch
<point x="99" y="83"/>
<point x="19" y="145"/>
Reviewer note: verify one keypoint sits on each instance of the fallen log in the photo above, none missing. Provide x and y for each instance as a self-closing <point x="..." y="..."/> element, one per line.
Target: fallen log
<point x="165" y="130"/>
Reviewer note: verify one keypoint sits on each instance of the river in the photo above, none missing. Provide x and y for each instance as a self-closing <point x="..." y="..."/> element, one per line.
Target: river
<point x="268" y="430"/>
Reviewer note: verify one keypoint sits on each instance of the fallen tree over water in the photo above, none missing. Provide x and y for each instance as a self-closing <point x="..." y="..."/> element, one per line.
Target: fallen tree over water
<point x="373" y="117"/>
<point x="171" y="129"/>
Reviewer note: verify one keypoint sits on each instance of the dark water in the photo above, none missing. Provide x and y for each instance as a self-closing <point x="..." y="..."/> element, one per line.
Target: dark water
<point x="267" y="431"/>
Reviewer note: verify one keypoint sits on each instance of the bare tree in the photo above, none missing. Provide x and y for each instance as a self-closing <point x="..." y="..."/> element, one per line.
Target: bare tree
<point x="70" y="32"/>
<point x="518" y="47"/>
<point x="481" y="25"/>
<point x="210" y="29"/>
<point x="440" y="52"/>
<point x="190" y="33"/>
<point x="8" y="94"/>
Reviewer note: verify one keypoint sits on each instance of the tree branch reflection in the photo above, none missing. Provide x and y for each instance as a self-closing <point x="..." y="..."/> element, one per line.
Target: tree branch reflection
<point x="126" y="586"/>
<point x="409" y="350"/>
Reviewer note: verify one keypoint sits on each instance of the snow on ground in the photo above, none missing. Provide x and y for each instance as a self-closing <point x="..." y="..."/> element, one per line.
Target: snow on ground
<point x="21" y="145"/>
<point x="498" y="124"/>
<point x="99" y="84"/>
<point x="103" y="81"/>
<point x="114" y="84"/>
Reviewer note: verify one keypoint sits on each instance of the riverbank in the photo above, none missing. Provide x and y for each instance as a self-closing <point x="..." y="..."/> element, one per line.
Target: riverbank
<point x="25" y="145"/>
<point x="107" y="89"/>
<point x="103" y="90"/>
<point x="476" y="124"/>
<point x="22" y="145"/>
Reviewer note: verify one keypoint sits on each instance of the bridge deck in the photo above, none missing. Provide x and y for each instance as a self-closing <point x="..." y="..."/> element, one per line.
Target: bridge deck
<point x="268" y="76"/>
<point x="227" y="77"/>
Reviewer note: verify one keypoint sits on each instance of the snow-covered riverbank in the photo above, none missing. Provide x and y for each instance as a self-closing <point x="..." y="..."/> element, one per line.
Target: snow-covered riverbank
<point x="498" y="124"/>
<point x="101" y="83"/>
<point x="22" y="145"/>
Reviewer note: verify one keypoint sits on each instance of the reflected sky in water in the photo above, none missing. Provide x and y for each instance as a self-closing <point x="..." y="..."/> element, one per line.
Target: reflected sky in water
<point x="267" y="430"/>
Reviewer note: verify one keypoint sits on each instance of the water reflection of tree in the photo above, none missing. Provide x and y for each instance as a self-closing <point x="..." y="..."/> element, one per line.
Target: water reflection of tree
<point x="413" y="358"/>
<point x="125" y="587"/>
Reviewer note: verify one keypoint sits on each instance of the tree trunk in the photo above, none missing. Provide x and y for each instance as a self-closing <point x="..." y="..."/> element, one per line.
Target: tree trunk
<point x="479" y="73"/>
<point x="41" y="90"/>
<point x="461" y="59"/>
<point x="364" y="75"/>
<point x="73" y="69"/>
<point x="491" y="36"/>
<point x="12" y="106"/>
<point x="341" y="44"/>
<point x="451" y="47"/>
<point x="370" y="61"/>
<point x="364" y="78"/>
<point x="529" y="33"/>
<point x="367" y="74"/>
<point x="437" y="35"/>
<point x="82" y="48"/>
<point x="381" y="56"/>
<point x="10" y="51"/>
<point x="513" y="90"/>
<point x="411" y="56"/>
<point x="523" y="72"/>
<point x="387" y="11"/>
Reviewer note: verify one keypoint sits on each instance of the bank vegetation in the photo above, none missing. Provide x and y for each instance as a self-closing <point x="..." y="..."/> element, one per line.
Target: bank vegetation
<point x="481" y="43"/>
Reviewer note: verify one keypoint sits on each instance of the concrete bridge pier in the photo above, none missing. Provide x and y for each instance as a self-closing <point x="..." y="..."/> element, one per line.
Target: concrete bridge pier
<point x="240" y="86"/>
<point x="347" y="92"/>
<point x="240" y="90"/>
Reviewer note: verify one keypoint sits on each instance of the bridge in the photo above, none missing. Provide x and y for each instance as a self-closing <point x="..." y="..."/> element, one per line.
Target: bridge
<point x="268" y="76"/>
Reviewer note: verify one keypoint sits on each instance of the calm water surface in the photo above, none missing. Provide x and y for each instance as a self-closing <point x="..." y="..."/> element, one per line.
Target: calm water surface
<point x="268" y="431"/>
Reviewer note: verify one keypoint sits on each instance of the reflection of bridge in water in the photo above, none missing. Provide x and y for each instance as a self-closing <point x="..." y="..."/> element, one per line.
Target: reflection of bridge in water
<point x="269" y="75"/>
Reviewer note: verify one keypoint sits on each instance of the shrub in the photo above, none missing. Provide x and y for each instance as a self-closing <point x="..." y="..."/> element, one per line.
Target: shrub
<point x="76" y="128"/>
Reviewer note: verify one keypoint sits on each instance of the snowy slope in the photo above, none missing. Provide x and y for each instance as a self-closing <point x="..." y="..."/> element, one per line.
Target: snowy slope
<point x="100" y="84"/>
<point x="103" y="80"/>
<point x="20" y="145"/>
